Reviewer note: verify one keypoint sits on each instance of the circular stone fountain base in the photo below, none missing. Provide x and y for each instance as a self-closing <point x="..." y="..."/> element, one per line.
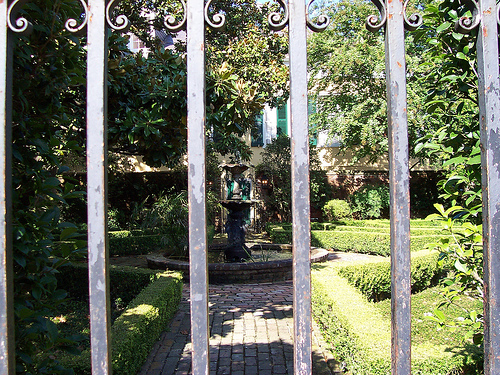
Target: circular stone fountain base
<point x="247" y="272"/>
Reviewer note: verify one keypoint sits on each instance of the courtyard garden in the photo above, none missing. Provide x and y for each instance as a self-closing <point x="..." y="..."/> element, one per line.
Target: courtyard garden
<point x="148" y="211"/>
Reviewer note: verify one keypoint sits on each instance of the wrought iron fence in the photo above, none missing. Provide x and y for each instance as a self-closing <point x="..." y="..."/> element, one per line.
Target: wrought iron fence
<point x="96" y="19"/>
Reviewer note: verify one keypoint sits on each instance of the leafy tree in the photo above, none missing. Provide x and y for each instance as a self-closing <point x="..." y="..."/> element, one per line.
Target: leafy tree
<point x="347" y="81"/>
<point x="245" y="52"/>
<point x="276" y="165"/>
<point x="47" y="109"/>
<point x="148" y="105"/>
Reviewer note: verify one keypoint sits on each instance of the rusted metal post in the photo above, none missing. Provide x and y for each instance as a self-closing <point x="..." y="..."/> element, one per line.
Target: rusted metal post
<point x="489" y="113"/>
<point x="7" y="348"/>
<point x="198" y="267"/>
<point x="100" y="316"/>
<point x="300" y="189"/>
<point x="399" y="187"/>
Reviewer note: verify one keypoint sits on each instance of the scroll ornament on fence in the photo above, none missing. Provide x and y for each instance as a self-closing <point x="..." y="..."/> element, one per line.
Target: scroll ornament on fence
<point x="18" y="25"/>
<point x="465" y="24"/>
<point x="120" y="24"/>
<point x="277" y="21"/>
<point x="374" y="23"/>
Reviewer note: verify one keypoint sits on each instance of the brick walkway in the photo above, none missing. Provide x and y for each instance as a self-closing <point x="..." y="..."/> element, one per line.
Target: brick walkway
<point x="251" y="333"/>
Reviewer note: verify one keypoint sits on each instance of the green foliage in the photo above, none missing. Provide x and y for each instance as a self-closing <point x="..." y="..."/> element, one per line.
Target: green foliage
<point x="337" y="209"/>
<point x="245" y="70"/>
<point x="370" y="202"/>
<point x="136" y="330"/>
<point x="276" y="165"/>
<point x="374" y="279"/>
<point x="136" y="245"/>
<point x="463" y="249"/>
<point x="125" y="282"/>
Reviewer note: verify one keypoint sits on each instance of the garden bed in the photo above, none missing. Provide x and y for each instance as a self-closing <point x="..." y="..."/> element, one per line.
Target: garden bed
<point x="358" y="331"/>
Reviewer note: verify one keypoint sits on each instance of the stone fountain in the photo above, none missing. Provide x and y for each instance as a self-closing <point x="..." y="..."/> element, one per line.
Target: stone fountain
<point x="237" y="202"/>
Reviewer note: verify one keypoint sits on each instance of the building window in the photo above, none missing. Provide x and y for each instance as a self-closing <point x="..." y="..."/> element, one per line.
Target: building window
<point x="258" y="131"/>
<point x="313" y="127"/>
<point x="282" y="127"/>
<point x="135" y="43"/>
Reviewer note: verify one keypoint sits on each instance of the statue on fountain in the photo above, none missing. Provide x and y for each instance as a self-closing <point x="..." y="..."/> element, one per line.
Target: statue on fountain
<point x="237" y="203"/>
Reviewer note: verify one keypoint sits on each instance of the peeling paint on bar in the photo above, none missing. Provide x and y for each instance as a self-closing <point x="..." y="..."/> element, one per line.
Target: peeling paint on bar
<point x="7" y="342"/>
<point x="195" y="23"/>
<point x="489" y="107"/>
<point x="300" y="188"/>
<point x="100" y="317"/>
<point x="399" y="188"/>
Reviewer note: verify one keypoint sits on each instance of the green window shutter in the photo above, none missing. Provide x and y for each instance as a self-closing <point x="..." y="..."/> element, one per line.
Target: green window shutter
<point x="313" y="133"/>
<point x="282" y="127"/>
<point x="257" y="132"/>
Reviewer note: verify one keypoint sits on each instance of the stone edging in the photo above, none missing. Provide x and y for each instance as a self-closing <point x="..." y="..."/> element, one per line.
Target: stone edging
<point x="276" y="270"/>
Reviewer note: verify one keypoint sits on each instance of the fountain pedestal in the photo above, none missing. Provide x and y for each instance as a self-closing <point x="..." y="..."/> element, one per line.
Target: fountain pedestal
<point x="235" y="227"/>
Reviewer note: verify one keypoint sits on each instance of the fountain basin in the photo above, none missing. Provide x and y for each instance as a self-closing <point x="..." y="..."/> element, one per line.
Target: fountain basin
<point x="244" y="272"/>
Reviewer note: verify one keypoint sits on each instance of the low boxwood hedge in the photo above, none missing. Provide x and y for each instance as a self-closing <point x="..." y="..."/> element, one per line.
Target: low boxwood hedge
<point x="360" y="336"/>
<point x="374" y="279"/>
<point x="374" y="243"/>
<point x="136" y="330"/>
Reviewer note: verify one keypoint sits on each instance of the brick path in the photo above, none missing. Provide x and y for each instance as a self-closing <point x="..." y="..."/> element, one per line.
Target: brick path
<point x="251" y="333"/>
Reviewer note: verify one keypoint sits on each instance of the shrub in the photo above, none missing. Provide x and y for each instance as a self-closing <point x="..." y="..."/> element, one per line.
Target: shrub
<point x="138" y="328"/>
<point x="374" y="279"/>
<point x="170" y="213"/>
<point x="359" y="239"/>
<point x="337" y="209"/>
<point x="135" y="245"/>
<point x="369" y="202"/>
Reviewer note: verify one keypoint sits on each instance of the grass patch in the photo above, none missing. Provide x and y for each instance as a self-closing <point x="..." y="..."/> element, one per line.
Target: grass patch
<point x="423" y="330"/>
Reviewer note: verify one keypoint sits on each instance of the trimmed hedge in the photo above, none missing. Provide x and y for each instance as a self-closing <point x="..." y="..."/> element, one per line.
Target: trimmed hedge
<point x="374" y="279"/>
<point x="138" y="328"/>
<point x="357" y="241"/>
<point x="359" y="335"/>
<point x="375" y="243"/>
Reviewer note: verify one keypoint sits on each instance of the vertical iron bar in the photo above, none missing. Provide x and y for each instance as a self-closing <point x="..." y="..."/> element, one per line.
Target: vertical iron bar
<point x="7" y="350"/>
<point x="97" y="187"/>
<point x="198" y="274"/>
<point x="300" y="188"/>
<point x="489" y="113"/>
<point x="399" y="187"/>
